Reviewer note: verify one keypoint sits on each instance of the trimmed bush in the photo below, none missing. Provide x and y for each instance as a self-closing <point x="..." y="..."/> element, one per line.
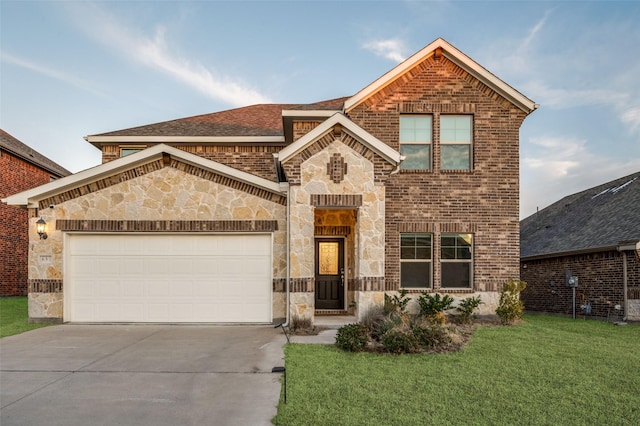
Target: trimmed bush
<point x="397" y="341"/>
<point x="352" y="337"/>
<point x="511" y="308"/>
<point x="431" y="337"/>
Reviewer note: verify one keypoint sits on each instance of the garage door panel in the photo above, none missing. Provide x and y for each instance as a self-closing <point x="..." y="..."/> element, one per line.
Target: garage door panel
<point x="107" y="289"/>
<point x="131" y="288"/>
<point x="169" y="278"/>
<point x="132" y="312"/>
<point x="157" y="312"/>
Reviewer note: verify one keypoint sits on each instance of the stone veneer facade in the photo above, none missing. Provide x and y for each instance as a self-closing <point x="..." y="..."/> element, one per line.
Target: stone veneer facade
<point x="165" y="199"/>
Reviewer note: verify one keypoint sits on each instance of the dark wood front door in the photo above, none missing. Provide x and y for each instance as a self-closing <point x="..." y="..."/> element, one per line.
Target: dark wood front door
<point x="329" y="274"/>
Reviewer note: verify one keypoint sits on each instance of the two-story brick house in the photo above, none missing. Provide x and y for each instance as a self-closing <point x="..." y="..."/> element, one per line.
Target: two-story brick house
<point x="21" y="168"/>
<point x="273" y="211"/>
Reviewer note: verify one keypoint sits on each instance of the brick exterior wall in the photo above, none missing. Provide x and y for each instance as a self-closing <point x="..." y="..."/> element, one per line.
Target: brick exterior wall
<point x="16" y="175"/>
<point x="483" y="201"/>
<point x="257" y="160"/>
<point x="599" y="282"/>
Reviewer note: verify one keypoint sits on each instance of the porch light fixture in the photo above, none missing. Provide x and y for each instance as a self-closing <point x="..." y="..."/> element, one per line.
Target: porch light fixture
<point x="41" y="227"/>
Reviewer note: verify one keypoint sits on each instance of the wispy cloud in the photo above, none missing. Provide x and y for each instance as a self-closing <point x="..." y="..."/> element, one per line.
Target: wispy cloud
<point x="631" y="117"/>
<point x="155" y="52"/>
<point x="50" y="72"/>
<point x="569" y="98"/>
<point x="390" y="49"/>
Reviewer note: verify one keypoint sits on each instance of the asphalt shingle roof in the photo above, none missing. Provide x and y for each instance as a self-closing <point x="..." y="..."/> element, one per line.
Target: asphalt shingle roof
<point x="19" y="149"/>
<point x="602" y="216"/>
<point x="254" y="120"/>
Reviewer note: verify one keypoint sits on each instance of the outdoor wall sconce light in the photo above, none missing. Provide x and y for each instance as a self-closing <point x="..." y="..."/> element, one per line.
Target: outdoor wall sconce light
<point x="41" y="227"/>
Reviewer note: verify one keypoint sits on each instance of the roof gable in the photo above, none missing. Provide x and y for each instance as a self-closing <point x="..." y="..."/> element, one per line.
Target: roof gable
<point x="437" y="47"/>
<point x="31" y="197"/>
<point x="597" y="218"/>
<point x="19" y="149"/>
<point x="373" y="143"/>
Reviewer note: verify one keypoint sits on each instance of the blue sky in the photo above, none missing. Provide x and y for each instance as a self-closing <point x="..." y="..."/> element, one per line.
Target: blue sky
<point x="70" y="69"/>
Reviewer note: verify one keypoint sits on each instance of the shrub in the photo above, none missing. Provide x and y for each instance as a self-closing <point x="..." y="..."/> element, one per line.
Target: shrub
<point x="301" y="325"/>
<point x="398" y="341"/>
<point x="352" y="337"/>
<point x="466" y="307"/>
<point x="431" y="337"/>
<point x="396" y="303"/>
<point x="433" y="307"/>
<point x="510" y="308"/>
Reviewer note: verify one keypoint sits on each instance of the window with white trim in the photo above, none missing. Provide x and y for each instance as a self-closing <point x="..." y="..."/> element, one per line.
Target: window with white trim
<point x="415" y="141"/>
<point x="128" y="151"/>
<point x="415" y="260"/>
<point x="456" y="260"/>
<point x="455" y="142"/>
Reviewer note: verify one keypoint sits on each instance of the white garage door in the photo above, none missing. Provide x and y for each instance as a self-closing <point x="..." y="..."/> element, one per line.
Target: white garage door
<point x="168" y="278"/>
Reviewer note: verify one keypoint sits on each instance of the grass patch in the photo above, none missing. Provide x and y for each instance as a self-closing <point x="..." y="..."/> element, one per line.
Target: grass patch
<point x="14" y="316"/>
<point x="546" y="370"/>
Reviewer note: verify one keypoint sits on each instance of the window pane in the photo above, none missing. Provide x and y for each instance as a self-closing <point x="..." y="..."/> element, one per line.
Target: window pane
<point x="455" y="128"/>
<point x="448" y="253"/>
<point x="423" y="240"/>
<point x="455" y="157"/>
<point x="407" y="240"/>
<point x="128" y="151"/>
<point x="423" y="253"/>
<point x="415" y="274"/>
<point x="456" y="275"/>
<point x="418" y="157"/>
<point x="463" y="253"/>
<point x="407" y="253"/>
<point x="415" y="128"/>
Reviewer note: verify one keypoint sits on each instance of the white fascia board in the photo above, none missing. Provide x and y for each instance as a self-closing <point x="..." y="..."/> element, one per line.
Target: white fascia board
<point x="308" y="113"/>
<point x="365" y="137"/>
<point x="184" y="139"/>
<point x="30" y="198"/>
<point x="629" y="245"/>
<point x="459" y="59"/>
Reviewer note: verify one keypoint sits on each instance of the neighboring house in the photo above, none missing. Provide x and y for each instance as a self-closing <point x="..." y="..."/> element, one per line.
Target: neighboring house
<point x="21" y="168"/>
<point x="292" y="211"/>
<point x="593" y="235"/>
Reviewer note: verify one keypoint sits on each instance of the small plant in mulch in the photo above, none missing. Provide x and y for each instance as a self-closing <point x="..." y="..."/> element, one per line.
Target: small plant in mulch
<point x="303" y="327"/>
<point x="433" y="306"/>
<point x="465" y="309"/>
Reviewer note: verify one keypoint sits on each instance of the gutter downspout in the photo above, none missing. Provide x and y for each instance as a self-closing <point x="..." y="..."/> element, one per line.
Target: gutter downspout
<point x="288" y="302"/>
<point x="623" y="248"/>
<point x="624" y="285"/>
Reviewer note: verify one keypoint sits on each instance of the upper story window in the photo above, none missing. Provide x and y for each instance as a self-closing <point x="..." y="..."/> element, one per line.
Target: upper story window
<point x="455" y="142"/>
<point x="415" y="260"/>
<point x="415" y="141"/>
<point x="456" y="260"/>
<point x="128" y="151"/>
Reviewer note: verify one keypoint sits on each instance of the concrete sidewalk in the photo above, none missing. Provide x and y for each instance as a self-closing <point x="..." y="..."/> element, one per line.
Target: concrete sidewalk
<point x="141" y="374"/>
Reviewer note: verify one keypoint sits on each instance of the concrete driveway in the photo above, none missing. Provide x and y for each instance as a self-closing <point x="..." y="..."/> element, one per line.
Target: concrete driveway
<point x="140" y="375"/>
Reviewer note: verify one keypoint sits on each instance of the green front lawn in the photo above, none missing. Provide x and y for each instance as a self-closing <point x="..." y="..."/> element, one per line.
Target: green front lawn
<point x="544" y="371"/>
<point x="14" y="316"/>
